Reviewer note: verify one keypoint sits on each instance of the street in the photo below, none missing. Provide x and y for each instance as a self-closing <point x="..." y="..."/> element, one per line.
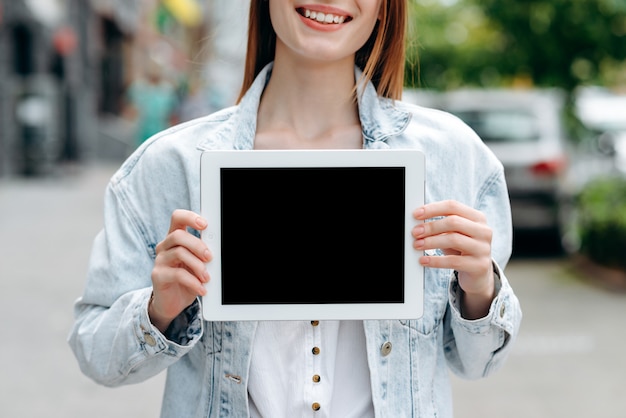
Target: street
<point x="567" y="362"/>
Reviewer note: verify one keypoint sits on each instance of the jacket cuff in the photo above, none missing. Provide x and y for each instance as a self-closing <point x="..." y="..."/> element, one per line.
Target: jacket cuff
<point x="181" y="335"/>
<point x="501" y="311"/>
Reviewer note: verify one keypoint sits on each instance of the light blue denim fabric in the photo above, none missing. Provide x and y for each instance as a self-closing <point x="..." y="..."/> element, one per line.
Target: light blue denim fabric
<point x="207" y="362"/>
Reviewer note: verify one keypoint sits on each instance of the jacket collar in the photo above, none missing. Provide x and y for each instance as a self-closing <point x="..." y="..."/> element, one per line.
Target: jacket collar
<point x="380" y="118"/>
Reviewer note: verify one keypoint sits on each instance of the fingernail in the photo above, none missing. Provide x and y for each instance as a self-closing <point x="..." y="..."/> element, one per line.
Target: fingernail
<point x="419" y="230"/>
<point x="207" y="255"/>
<point x="419" y="212"/>
<point x="424" y="260"/>
<point x="201" y="222"/>
<point x="419" y="243"/>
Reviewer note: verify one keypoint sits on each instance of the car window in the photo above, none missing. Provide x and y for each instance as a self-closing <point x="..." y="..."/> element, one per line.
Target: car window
<point x="505" y="125"/>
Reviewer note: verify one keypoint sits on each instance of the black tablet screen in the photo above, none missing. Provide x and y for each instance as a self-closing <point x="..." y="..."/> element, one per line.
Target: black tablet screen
<point x="312" y="235"/>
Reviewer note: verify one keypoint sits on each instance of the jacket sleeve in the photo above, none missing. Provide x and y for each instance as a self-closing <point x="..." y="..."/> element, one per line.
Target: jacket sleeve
<point x="112" y="336"/>
<point x="475" y="348"/>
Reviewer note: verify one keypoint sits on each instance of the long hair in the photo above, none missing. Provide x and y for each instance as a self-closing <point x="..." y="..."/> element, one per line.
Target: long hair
<point x="381" y="58"/>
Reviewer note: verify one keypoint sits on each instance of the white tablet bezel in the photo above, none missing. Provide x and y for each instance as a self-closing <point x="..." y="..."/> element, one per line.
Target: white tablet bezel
<point x="211" y="164"/>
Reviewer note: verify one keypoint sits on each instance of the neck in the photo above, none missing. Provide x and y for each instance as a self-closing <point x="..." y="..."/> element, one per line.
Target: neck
<point x="310" y="98"/>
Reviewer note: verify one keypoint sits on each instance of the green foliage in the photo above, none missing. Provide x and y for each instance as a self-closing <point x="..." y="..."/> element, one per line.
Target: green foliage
<point x="556" y="43"/>
<point x="455" y="45"/>
<point x="602" y="221"/>
<point x="560" y="42"/>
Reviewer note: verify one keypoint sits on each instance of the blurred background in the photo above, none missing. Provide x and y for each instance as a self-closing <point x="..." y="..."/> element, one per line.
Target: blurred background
<point x="79" y="78"/>
<point x="543" y="82"/>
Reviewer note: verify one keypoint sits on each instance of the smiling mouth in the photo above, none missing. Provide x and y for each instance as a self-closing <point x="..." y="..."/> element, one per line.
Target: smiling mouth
<point x="325" y="18"/>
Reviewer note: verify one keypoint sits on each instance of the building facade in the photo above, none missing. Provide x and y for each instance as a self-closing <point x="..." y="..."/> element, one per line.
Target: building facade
<point x="65" y="66"/>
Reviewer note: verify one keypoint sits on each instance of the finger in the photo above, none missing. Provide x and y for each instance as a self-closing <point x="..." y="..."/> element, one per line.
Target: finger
<point x="182" y="238"/>
<point x="447" y="208"/>
<point x="167" y="280"/>
<point x="182" y="218"/>
<point x="459" y="243"/>
<point x="181" y="257"/>
<point x="190" y="281"/>
<point x="474" y="266"/>
<point x="450" y="224"/>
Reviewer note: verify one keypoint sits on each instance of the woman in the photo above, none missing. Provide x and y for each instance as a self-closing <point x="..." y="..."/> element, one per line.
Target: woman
<point x="318" y="75"/>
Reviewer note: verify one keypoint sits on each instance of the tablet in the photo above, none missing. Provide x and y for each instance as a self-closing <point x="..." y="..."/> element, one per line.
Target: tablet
<point x="312" y="234"/>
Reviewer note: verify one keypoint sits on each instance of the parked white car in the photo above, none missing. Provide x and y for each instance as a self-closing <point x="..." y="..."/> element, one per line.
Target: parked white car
<point x="527" y="131"/>
<point x="604" y="112"/>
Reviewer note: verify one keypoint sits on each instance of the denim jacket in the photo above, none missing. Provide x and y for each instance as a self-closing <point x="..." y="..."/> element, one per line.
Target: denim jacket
<point x="207" y="362"/>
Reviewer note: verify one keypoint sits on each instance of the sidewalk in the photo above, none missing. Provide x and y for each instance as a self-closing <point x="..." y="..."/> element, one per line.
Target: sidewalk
<point x="47" y="226"/>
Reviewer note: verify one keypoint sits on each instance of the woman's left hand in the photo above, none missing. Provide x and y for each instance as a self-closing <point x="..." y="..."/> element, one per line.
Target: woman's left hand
<point x="463" y="235"/>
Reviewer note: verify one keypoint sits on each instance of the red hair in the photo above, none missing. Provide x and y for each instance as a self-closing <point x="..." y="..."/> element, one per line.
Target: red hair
<point x="381" y="58"/>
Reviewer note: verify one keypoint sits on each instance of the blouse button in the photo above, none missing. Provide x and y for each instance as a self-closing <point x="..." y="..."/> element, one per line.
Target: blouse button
<point x="315" y="350"/>
<point x="316" y="406"/>
<point x="316" y="378"/>
<point x="502" y="309"/>
<point x="385" y="349"/>
<point x="315" y="323"/>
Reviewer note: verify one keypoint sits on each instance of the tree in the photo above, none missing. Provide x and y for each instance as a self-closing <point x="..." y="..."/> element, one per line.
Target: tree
<point x="556" y="43"/>
<point x="560" y="43"/>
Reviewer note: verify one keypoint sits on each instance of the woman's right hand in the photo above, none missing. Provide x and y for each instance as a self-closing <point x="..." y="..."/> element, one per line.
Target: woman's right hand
<point x="179" y="273"/>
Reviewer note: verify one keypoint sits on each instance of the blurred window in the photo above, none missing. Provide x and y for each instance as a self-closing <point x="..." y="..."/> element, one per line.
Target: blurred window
<point x="507" y="125"/>
<point x="23" y="50"/>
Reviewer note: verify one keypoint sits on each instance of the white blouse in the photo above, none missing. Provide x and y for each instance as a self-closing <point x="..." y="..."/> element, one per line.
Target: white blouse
<point x="310" y="369"/>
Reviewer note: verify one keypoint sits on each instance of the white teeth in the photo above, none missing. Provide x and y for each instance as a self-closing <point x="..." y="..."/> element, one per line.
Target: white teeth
<point x="323" y="17"/>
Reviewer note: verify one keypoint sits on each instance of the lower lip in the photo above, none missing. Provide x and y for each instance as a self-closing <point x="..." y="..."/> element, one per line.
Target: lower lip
<point x="322" y="27"/>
